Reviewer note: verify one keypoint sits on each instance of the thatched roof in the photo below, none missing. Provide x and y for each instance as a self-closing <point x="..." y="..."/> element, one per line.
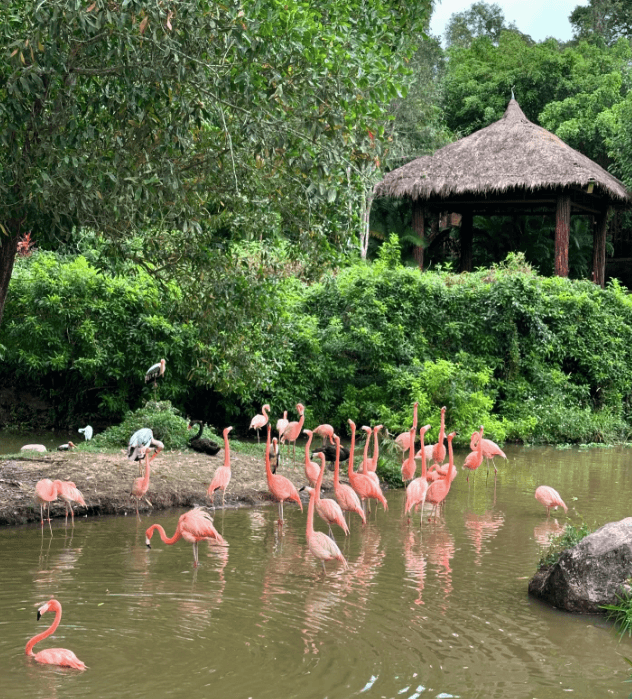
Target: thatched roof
<point x="510" y="154"/>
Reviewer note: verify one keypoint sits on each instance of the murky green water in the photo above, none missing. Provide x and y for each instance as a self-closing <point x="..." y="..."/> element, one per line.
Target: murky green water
<point x="11" y="443"/>
<point x="438" y="614"/>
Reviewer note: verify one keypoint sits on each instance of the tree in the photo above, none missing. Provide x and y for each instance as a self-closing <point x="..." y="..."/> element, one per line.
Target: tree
<point x="480" y="20"/>
<point x="602" y="21"/>
<point x="189" y="118"/>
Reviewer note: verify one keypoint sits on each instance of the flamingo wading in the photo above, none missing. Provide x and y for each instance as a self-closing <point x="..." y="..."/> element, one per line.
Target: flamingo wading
<point x="52" y="656"/>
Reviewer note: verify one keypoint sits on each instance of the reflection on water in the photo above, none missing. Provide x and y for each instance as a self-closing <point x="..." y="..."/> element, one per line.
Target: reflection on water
<point x="436" y="610"/>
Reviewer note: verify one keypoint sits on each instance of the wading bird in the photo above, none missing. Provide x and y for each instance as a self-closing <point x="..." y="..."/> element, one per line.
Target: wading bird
<point x="326" y="432"/>
<point x="281" y="488"/>
<point x="418" y="487"/>
<point x="490" y="450"/>
<point x="52" y="656"/>
<point x="193" y="526"/>
<point x="321" y="546"/>
<point x="141" y="485"/>
<point x="347" y="497"/>
<point x="293" y="429"/>
<point x="550" y="498"/>
<point x="363" y="485"/>
<point x="221" y="478"/>
<point x="328" y="510"/>
<point x="403" y="439"/>
<point x="86" y="431"/>
<point x="45" y="493"/>
<point x="475" y="458"/>
<point x="69" y="493"/>
<point x="155" y="370"/>
<point x="259" y="421"/>
<point x="438" y="491"/>
<point x="311" y="467"/>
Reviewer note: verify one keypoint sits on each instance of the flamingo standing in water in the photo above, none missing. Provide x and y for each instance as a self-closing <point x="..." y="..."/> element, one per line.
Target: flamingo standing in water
<point x="141" y="485"/>
<point x="311" y="468"/>
<point x="45" y="493"/>
<point x="418" y="487"/>
<point x="321" y="546"/>
<point x="438" y="449"/>
<point x="193" y="526"/>
<point x="376" y="449"/>
<point x="347" y="497"/>
<point x="221" y="477"/>
<point x="490" y="450"/>
<point x="403" y="439"/>
<point x="366" y="462"/>
<point x="259" y="421"/>
<point x="293" y="429"/>
<point x="363" y="485"/>
<point x="438" y="491"/>
<point x="52" y="656"/>
<point x="550" y="498"/>
<point x="328" y="510"/>
<point x="280" y="487"/>
<point x="408" y="465"/>
<point x="475" y="458"/>
<point x="69" y="493"/>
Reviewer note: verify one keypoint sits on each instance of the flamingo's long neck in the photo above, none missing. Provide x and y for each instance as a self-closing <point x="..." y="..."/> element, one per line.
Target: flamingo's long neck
<point x="450" y="459"/>
<point x="310" y="434"/>
<point x="376" y="452"/>
<point x="415" y="416"/>
<point x="351" y="450"/>
<point x="411" y="451"/>
<point x="480" y="443"/>
<point x="422" y="433"/>
<point x="163" y="534"/>
<point x="45" y="634"/>
<point x="310" y="514"/>
<point x="337" y="464"/>
<point x="365" y="457"/>
<point x="264" y="412"/>
<point x="145" y="483"/>
<point x="442" y="428"/>
<point x="226" y="450"/>
<point x="268" y="467"/>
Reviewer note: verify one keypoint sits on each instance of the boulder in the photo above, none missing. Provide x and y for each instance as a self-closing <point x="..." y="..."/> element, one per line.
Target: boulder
<point x="591" y="573"/>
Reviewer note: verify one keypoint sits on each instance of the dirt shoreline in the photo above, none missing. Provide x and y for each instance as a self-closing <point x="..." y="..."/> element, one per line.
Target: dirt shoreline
<point x="178" y="479"/>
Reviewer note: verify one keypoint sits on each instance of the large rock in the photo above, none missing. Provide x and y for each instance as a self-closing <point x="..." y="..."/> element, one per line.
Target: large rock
<point x="591" y="573"/>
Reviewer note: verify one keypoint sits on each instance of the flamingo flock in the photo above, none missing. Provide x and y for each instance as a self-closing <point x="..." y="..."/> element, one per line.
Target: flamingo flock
<point x="430" y="488"/>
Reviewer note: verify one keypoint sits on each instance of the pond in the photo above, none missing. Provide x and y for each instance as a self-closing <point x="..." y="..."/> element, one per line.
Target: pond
<point x="437" y="612"/>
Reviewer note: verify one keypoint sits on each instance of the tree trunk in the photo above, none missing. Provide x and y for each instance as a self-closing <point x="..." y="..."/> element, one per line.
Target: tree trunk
<point x="599" y="249"/>
<point x="418" y="228"/>
<point x="562" y="234"/>
<point x="466" y="237"/>
<point x="8" y="251"/>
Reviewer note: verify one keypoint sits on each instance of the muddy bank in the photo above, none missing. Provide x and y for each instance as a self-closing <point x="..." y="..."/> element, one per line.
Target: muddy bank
<point x="178" y="479"/>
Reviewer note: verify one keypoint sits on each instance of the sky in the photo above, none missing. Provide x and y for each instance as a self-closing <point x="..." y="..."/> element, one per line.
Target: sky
<point x="539" y="19"/>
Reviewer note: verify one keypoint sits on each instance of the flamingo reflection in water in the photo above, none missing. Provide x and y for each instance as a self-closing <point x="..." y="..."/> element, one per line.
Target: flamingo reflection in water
<point x="415" y="564"/>
<point x="439" y="546"/>
<point x="544" y="532"/>
<point x="482" y="528"/>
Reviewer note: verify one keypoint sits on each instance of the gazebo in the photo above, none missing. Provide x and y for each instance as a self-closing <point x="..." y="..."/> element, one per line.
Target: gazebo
<point x="510" y="167"/>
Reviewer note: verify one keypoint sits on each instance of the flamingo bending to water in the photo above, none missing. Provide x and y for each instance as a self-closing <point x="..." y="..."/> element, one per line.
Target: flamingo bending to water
<point x="328" y="510"/>
<point x="69" y="493"/>
<point x="326" y="432"/>
<point x="221" y="477"/>
<point x="45" y="493"/>
<point x="321" y="546"/>
<point x="52" y="656"/>
<point x="193" y="526"/>
<point x="550" y="498"/>
<point x="141" y="485"/>
<point x="280" y="486"/>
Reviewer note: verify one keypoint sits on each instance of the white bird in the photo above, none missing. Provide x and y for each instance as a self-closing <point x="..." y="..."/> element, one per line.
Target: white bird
<point x="86" y="431"/>
<point x="155" y="370"/>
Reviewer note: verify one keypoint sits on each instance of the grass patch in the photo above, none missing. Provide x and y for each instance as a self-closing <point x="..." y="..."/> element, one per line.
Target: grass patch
<point x="571" y="536"/>
<point x="621" y="613"/>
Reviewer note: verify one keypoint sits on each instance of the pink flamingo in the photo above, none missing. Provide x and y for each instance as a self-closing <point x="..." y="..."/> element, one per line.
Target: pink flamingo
<point x="438" y="491"/>
<point x="328" y="510"/>
<point x="345" y="494"/>
<point x="293" y="429"/>
<point x="69" y="493"/>
<point x="259" y="421"/>
<point x="475" y="458"/>
<point x="403" y="439"/>
<point x="193" y="526"/>
<point x="366" y="462"/>
<point x="45" y="493"/>
<point x="364" y="486"/>
<point x="408" y="465"/>
<point x="438" y="450"/>
<point x="282" y="423"/>
<point x="221" y="477"/>
<point x="52" y="656"/>
<point x="326" y="432"/>
<point x="311" y="468"/>
<point x="141" y="485"/>
<point x="550" y="498"/>
<point x="490" y="450"/>
<point x="418" y="487"/>
<point x="376" y="449"/>
<point x="280" y="487"/>
<point x="321" y="546"/>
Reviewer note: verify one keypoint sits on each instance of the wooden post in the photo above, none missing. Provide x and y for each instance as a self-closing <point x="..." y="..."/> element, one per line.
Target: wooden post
<point x="418" y="228"/>
<point x="466" y="237"/>
<point x="562" y="234"/>
<point x="599" y="249"/>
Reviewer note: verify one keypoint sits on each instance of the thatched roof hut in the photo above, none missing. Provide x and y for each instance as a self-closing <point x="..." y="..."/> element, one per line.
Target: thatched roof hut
<point x="509" y="167"/>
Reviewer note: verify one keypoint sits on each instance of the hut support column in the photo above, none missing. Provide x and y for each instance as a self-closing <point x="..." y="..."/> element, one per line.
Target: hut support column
<point x="599" y="249"/>
<point x="419" y="229"/>
<point x="562" y="234"/>
<point x="466" y="237"/>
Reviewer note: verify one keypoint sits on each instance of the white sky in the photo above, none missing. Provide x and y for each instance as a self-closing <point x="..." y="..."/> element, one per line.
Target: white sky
<point x="538" y="18"/>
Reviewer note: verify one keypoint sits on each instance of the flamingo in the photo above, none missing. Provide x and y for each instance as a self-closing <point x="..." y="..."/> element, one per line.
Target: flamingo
<point x="403" y="439"/>
<point x="155" y="370"/>
<point x="438" y="449"/>
<point x="52" y="656"/>
<point x="326" y="432"/>
<point x="550" y="498"/>
<point x="438" y="491"/>
<point x="69" y="493"/>
<point x="45" y="492"/>
<point x="366" y="462"/>
<point x="311" y="468"/>
<point x="282" y="423"/>
<point x="363" y="485"/>
<point x="141" y="485"/>
<point x="221" y="477"/>
<point x="280" y="487"/>
<point x="408" y="465"/>
<point x="293" y="429"/>
<point x="490" y="450"/>
<point x="345" y="494"/>
<point x="328" y="510"/>
<point x="259" y="421"/>
<point x="321" y="546"/>
<point x="475" y="458"/>
<point x="418" y="487"/>
<point x="193" y="526"/>
<point x="376" y="449"/>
